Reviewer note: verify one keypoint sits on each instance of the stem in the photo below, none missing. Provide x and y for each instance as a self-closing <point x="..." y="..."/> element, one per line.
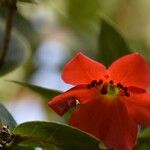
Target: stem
<point x="13" y="143"/>
<point x="10" y="11"/>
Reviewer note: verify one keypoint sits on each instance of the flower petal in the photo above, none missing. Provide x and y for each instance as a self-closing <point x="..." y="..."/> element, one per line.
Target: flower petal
<point x="63" y="102"/>
<point x="131" y="70"/>
<point x="109" y="122"/>
<point x="138" y="106"/>
<point x="82" y="70"/>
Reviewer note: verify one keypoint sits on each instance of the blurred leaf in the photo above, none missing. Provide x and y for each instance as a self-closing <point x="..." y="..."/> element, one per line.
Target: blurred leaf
<point x="83" y="14"/>
<point x="46" y="93"/>
<point x="5" y="3"/>
<point x="145" y="133"/>
<point x="143" y="146"/>
<point x="60" y="135"/>
<point x="17" y="52"/>
<point x="143" y="142"/>
<point x="27" y="1"/>
<point x="23" y="25"/>
<point x="83" y="18"/>
<point x="112" y="45"/>
<point x="6" y="118"/>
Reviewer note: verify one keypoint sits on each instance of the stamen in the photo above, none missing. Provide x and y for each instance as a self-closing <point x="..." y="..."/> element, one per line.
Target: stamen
<point x="123" y="91"/>
<point x="111" y="82"/>
<point x="127" y="94"/>
<point x="93" y="83"/>
<point x="104" y="89"/>
<point x="125" y="88"/>
<point x="119" y="85"/>
<point x="109" y="88"/>
<point x="100" y="82"/>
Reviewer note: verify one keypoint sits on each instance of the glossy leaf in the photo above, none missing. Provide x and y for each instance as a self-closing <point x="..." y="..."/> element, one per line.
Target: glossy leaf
<point x="112" y="45"/>
<point x="6" y="118"/>
<point x="31" y="144"/>
<point x="59" y="135"/>
<point x="44" y="92"/>
<point x="22" y="147"/>
<point x="16" y="54"/>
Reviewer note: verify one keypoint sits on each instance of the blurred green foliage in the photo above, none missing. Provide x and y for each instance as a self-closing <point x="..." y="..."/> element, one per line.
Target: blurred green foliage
<point x="46" y="93"/>
<point x="6" y="118"/>
<point x="111" y="44"/>
<point x="18" y="51"/>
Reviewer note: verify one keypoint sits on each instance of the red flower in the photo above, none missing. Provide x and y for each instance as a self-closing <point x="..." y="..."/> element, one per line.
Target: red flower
<point x="113" y="101"/>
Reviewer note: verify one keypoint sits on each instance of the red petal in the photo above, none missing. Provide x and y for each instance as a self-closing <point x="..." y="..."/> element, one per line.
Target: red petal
<point x="138" y="106"/>
<point x="131" y="70"/>
<point x="82" y="70"/>
<point x="136" y="90"/>
<point x="62" y="103"/>
<point x="109" y="122"/>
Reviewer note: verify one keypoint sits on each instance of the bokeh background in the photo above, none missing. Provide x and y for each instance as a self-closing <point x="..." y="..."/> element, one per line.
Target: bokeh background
<point x="47" y="33"/>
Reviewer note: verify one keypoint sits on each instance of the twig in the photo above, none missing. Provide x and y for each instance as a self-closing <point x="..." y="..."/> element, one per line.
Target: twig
<point x="10" y="11"/>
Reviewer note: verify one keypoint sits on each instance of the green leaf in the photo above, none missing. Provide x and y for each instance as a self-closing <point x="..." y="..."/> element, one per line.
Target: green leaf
<point x="145" y="133"/>
<point x="143" y="142"/>
<point x="22" y="147"/>
<point x="17" y="53"/>
<point x="112" y="45"/>
<point x="83" y="17"/>
<point x="56" y="134"/>
<point x="20" y="22"/>
<point x="143" y="146"/>
<point x="83" y="14"/>
<point x="46" y="93"/>
<point x="31" y="144"/>
<point x="6" y="118"/>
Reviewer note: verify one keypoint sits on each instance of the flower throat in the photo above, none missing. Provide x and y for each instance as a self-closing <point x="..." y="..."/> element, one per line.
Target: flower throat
<point x="109" y="88"/>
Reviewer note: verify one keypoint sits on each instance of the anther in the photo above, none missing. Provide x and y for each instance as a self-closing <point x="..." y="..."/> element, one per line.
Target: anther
<point x="104" y="89"/>
<point x="127" y="94"/>
<point x="125" y="88"/>
<point x="99" y="82"/>
<point x="111" y="82"/>
<point x="93" y="83"/>
<point x="119" y="85"/>
<point x="124" y="91"/>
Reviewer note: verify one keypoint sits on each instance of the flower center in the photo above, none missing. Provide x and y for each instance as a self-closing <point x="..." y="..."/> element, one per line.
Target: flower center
<point x="110" y="88"/>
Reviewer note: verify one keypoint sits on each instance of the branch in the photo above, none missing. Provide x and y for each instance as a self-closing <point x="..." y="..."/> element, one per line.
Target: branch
<point x="10" y="11"/>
